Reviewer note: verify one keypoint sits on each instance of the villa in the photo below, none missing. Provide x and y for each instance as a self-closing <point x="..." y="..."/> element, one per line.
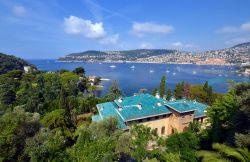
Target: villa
<point x="165" y="117"/>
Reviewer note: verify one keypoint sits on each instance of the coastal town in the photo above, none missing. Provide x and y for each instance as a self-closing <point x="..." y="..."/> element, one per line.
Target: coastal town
<point x="237" y="55"/>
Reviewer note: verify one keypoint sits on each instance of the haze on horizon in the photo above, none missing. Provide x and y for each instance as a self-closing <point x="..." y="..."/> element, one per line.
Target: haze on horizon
<point x="53" y="28"/>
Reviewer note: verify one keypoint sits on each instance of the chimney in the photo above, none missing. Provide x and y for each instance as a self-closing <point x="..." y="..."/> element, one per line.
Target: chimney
<point x="159" y="104"/>
<point x="157" y="95"/>
<point x="120" y="100"/>
<point x="139" y="106"/>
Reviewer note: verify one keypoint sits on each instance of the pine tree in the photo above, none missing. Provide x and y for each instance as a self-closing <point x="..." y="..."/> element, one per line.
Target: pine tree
<point x="79" y="71"/>
<point x="114" y="91"/>
<point x="179" y="90"/>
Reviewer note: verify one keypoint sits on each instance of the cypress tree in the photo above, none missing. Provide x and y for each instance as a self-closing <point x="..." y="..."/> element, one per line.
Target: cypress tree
<point x="179" y="90"/>
<point x="163" y="86"/>
<point x="154" y="91"/>
<point x="169" y="94"/>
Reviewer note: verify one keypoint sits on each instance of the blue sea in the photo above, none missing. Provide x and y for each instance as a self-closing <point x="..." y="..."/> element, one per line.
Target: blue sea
<point x="134" y="76"/>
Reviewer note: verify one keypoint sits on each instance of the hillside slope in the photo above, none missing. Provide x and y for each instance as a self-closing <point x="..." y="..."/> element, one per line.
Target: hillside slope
<point x="126" y="55"/>
<point x="9" y="62"/>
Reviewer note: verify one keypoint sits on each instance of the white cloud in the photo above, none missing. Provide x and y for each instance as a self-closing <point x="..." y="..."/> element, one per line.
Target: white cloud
<point x="191" y="45"/>
<point x="145" y="45"/>
<point x="183" y="45"/>
<point x="139" y="29"/>
<point x="19" y="10"/>
<point x="177" y="44"/>
<point x="233" y="29"/>
<point x="235" y="41"/>
<point x="245" y="26"/>
<point x="113" y="39"/>
<point x="87" y="28"/>
<point x="76" y="25"/>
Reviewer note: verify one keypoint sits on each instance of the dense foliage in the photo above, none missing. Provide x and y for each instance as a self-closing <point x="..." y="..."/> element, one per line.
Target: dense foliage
<point x="45" y="116"/>
<point x="202" y="93"/>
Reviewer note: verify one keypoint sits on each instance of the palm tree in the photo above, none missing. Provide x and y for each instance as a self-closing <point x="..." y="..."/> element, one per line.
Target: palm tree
<point x="223" y="153"/>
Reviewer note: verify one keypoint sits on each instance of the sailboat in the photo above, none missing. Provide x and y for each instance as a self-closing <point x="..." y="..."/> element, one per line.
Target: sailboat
<point x="112" y="66"/>
<point x="151" y="71"/>
<point x="132" y="67"/>
<point x="178" y="68"/>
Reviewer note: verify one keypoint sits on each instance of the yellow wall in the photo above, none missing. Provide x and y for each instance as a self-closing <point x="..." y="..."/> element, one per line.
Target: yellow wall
<point x="174" y="122"/>
<point x="158" y="123"/>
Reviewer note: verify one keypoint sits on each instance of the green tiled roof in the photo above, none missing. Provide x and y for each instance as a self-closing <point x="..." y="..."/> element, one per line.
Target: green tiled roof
<point x="96" y="118"/>
<point x="108" y="109"/>
<point x="140" y="106"/>
<point x="143" y="106"/>
<point x="200" y="110"/>
<point x="182" y="106"/>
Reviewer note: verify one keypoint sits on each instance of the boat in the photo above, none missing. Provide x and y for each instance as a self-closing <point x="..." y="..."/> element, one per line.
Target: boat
<point x="132" y="67"/>
<point x="105" y="79"/>
<point x="178" y="68"/>
<point x="167" y="71"/>
<point x="194" y="72"/>
<point x="174" y="73"/>
<point x="112" y="66"/>
<point x="151" y="71"/>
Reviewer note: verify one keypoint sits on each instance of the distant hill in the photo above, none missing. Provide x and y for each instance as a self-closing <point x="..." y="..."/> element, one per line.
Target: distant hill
<point x="90" y="52"/>
<point x="126" y="55"/>
<point x="235" y="55"/>
<point x="247" y="44"/>
<point x="9" y="62"/>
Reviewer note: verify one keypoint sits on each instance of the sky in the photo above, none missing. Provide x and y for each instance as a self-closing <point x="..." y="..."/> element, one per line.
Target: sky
<point x="43" y="29"/>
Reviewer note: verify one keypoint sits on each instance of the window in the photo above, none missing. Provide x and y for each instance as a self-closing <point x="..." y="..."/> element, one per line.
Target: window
<point x="157" y="117"/>
<point x="172" y="131"/>
<point x="201" y="120"/>
<point x="148" y="119"/>
<point x="140" y="120"/>
<point x="164" y="116"/>
<point x="163" y="130"/>
<point x="156" y="130"/>
<point x="185" y="129"/>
